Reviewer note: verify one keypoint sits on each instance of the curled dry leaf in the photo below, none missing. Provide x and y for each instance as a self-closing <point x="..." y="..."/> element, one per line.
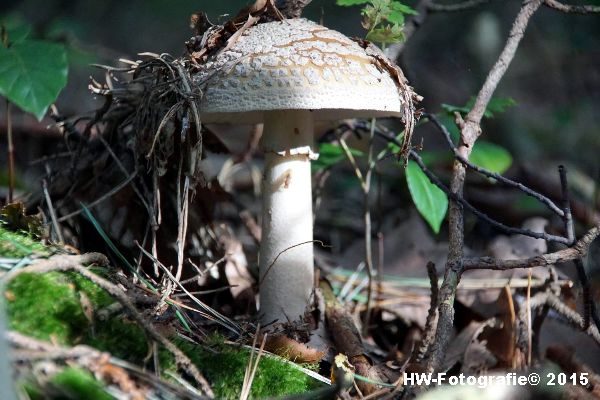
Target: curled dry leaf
<point x="284" y="346"/>
<point x="468" y="350"/>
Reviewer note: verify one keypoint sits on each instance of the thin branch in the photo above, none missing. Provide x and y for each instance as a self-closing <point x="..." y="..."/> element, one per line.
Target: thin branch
<point x="572" y="9"/>
<point x="10" y="151"/>
<point x="577" y="251"/>
<point x="365" y="184"/>
<point x="99" y="200"/>
<point x="484" y="217"/>
<point x="588" y="301"/>
<point x="52" y="212"/>
<point x="286" y="249"/>
<point x="383" y="133"/>
<point x="569" y="315"/>
<point x="567" y="217"/>
<point x="517" y="185"/>
<point x="29" y="349"/>
<point x="430" y="323"/>
<point x="352" y="160"/>
<point x="368" y="233"/>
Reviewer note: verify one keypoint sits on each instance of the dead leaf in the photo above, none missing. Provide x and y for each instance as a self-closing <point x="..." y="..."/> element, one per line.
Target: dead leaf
<point x="469" y="351"/>
<point x="289" y="348"/>
<point x="502" y="342"/>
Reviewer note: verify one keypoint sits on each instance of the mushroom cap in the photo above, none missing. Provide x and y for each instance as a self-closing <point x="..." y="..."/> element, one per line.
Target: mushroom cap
<point x="294" y="64"/>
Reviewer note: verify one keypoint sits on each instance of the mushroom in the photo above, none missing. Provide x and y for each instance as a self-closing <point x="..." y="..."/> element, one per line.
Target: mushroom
<point x="287" y="74"/>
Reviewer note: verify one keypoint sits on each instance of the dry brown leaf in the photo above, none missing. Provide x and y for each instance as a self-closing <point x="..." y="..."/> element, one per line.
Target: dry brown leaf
<point x="289" y="348"/>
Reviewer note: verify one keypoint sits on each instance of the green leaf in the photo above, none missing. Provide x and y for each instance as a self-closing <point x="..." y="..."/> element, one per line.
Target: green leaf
<point x="347" y="3"/>
<point x="386" y="34"/>
<point x="330" y="154"/>
<point x="32" y="74"/>
<point x="450" y="109"/>
<point x="396" y="17"/>
<point x="498" y="105"/>
<point x="491" y="157"/>
<point x="403" y="8"/>
<point x="430" y="200"/>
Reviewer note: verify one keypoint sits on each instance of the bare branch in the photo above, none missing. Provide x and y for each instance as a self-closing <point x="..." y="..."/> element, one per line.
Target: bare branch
<point x="517" y="185"/>
<point x="572" y="317"/>
<point x="484" y="217"/>
<point x="572" y="9"/>
<point x="430" y="322"/>
<point x="579" y="250"/>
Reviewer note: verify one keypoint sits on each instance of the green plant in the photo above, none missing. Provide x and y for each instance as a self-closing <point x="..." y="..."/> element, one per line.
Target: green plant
<point x="32" y="74"/>
<point x="383" y="19"/>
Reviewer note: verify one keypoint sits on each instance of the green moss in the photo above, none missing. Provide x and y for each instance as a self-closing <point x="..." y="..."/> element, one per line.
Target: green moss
<point x="224" y="367"/>
<point x="17" y="245"/>
<point x="45" y="306"/>
<point x="121" y="338"/>
<point x="48" y="306"/>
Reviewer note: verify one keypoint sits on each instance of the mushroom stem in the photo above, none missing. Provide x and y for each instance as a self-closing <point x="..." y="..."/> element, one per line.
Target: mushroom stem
<point x="286" y="250"/>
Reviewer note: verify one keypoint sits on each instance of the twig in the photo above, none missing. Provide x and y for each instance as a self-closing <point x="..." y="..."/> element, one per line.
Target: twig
<point x="484" y="217"/>
<point x="430" y="323"/>
<point x="469" y="134"/>
<point x="578" y="250"/>
<point x="572" y="317"/>
<point x="208" y="311"/>
<point x="588" y="301"/>
<point x="73" y="263"/>
<point x="368" y="234"/>
<point x="382" y="132"/>
<point x="126" y="174"/>
<point x="55" y="224"/>
<point x="46" y="350"/>
<point x="528" y="191"/>
<point x="365" y="184"/>
<point x="99" y="200"/>
<point x="11" y="152"/>
<point x="573" y="9"/>
<point x="586" y="292"/>
<point x="286" y="249"/>
<point x="567" y="217"/>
